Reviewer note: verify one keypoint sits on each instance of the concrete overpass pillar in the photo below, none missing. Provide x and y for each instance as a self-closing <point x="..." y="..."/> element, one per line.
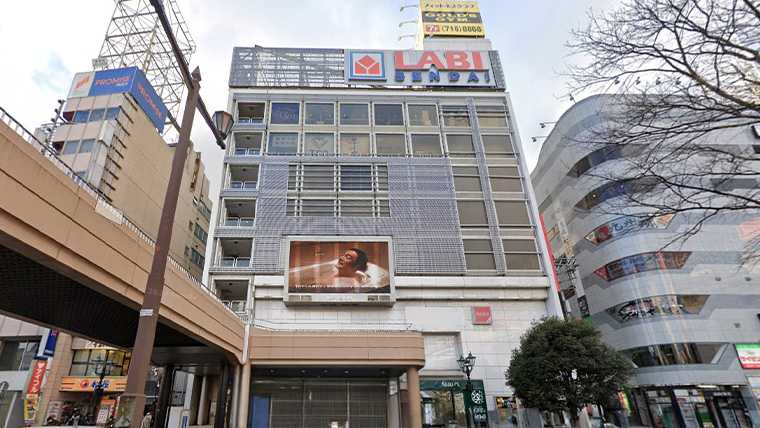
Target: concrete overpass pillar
<point x="414" y="407"/>
<point x="221" y="417"/>
<point x="203" y="402"/>
<point x="235" y="397"/>
<point x="164" y="397"/>
<point x="244" y="401"/>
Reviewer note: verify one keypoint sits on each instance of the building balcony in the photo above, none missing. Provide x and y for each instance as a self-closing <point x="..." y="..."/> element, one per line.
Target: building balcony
<point x="235" y="262"/>
<point x="242" y="185"/>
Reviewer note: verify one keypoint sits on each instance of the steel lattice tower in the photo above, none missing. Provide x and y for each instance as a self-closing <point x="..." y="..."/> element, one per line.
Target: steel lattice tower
<point x="135" y="38"/>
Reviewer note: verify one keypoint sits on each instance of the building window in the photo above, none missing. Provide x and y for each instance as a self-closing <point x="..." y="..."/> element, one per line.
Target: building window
<point x="614" y="189"/>
<point x="97" y="114"/>
<point x="320" y="114"/>
<point x="282" y="143"/>
<point x="521" y="254"/>
<point x="354" y="144"/>
<point x="285" y="113"/>
<point x="199" y="233"/>
<point x="17" y="355"/>
<point x="423" y="115"/>
<point x="356" y="207"/>
<point x="197" y="258"/>
<point x="466" y="179"/>
<point x="317" y="207"/>
<point x="318" y="177"/>
<point x="91" y="362"/>
<point x="658" y="306"/>
<point x="492" y="116"/>
<point x="456" y="116"/>
<point x="356" y="177"/>
<point x="70" y="147"/>
<point x="247" y="143"/>
<point x="390" y="144"/>
<point x="626" y="225"/>
<point x="600" y="156"/>
<point x="675" y="354"/>
<point x="657" y="260"/>
<point x="86" y="146"/>
<point x="113" y="113"/>
<point x="505" y="179"/>
<point x="389" y="115"/>
<point x="253" y="113"/>
<point x="354" y="114"/>
<point x="512" y="213"/>
<point x="472" y="213"/>
<point x="81" y="116"/>
<point x="426" y="145"/>
<point x="460" y="145"/>
<point x="478" y="254"/>
<point x="498" y="146"/>
<point x="322" y="144"/>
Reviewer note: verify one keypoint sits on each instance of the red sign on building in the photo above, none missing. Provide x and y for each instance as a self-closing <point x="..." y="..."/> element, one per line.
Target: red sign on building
<point x="481" y="315"/>
<point x="38" y="373"/>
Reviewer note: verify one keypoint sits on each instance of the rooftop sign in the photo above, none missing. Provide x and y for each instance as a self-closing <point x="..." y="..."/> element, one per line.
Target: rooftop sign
<point x="450" y="18"/>
<point x="420" y="68"/>
<point x="120" y="80"/>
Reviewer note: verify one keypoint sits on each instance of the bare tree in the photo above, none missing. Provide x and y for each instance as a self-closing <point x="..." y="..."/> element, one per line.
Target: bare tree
<point x="685" y="75"/>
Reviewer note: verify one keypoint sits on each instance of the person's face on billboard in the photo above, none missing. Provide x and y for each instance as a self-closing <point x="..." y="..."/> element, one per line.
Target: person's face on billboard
<point x="347" y="263"/>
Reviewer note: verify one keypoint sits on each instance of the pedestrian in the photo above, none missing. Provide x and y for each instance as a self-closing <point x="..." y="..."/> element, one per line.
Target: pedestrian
<point x="147" y="421"/>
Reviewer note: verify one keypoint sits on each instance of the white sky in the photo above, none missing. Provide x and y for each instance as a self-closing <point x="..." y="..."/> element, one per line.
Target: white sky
<point x="44" y="42"/>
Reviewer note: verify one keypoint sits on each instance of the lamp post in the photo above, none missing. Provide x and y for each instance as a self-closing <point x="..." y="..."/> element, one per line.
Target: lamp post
<point x="134" y="394"/>
<point x="466" y="364"/>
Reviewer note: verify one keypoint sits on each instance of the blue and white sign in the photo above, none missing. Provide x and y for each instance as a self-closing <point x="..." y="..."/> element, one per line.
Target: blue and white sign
<point x="130" y="80"/>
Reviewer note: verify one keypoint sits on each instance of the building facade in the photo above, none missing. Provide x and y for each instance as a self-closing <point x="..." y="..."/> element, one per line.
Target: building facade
<point x="686" y="315"/>
<point x="375" y="224"/>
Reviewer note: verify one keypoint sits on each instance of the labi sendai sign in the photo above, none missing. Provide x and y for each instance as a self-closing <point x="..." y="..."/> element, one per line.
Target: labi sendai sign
<point x="420" y="68"/>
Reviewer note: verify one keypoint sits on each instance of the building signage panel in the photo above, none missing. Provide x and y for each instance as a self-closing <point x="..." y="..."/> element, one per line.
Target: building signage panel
<point x="451" y="18"/>
<point x="38" y="374"/>
<point x="749" y="355"/>
<point x="88" y="384"/>
<point x="420" y="68"/>
<point x="339" y="267"/>
<point x="50" y="341"/>
<point x="120" y="80"/>
<point x="656" y="306"/>
<point x="481" y="315"/>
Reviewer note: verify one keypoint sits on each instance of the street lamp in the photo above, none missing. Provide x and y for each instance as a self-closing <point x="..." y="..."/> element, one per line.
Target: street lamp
<point x="466" y="364"/>
<point x="223" y="122"/>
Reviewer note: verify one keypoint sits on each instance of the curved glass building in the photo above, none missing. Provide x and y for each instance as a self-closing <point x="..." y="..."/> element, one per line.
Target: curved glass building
<point x="686" y="314"/>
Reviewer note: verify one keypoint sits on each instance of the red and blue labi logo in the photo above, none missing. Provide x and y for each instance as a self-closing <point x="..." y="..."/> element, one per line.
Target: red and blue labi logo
<point x="365" y="65"/>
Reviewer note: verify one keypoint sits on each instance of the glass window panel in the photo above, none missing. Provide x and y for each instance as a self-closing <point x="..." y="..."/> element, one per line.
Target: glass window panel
<point x="354" y="144"/>
<point x="472" y="213"/>
<point x="292" y="176"/>
<point x="356" y="208"/>
<point x="426" y="144"/>
<point x="113" y="113"/>
<point x="354" y="114"/>
<point x="283" y="143"/>
<point x="98" y="355"/>
<point x="320" y="114"/>
<point x="512" y="212"/>
<point x="81" y="355"/>
<point x="383" y="208"/>
<point x="11" y="354"/>
<point x="423" y="115"/>
<point x="285" y="113"/>
<point x="78" y="369"/>
<point x="456" y="116"/>
<point x="355" y="177"/>
<point x="519" y="245"/>
<point x="97" y="114"/>
<point x="390" y="144"/>
<point x="319" y="144"/>
<point x="317" y="208"/>
<point x="81" y="116"/>
<point x="86" y="146"/>
<point x="460" y="145"/>
<point x="318" y="177"/>
<point x="523" y="261"/>
<point x="503" y="171"/>
<point x="290" y="208"/>
<point x="477" y="245"/>
<point x="498" y="146"/>
<point x="382" y="177"/>
<point x="480" y="261"/>
<point x="467" y="184"/>
<point x="506" y="184"/>
<point x="492" y="120"/>
<point x="389" y="114"/>
<point x="465" y="170"/>
<point x="70" y="147"/>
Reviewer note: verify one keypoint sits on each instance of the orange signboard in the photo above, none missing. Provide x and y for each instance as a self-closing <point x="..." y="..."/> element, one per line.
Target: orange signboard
<point x="88" y="384"/>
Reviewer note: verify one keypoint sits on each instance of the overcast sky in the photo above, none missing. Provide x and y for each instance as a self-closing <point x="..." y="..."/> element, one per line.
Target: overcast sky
<point x="46" y="41"/>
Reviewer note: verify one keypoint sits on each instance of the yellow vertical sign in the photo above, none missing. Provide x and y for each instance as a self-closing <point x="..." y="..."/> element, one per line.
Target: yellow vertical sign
<point x="451" y="18"/>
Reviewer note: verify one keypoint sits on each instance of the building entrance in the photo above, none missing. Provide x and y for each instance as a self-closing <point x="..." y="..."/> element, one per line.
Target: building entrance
<point x="328" y="403"/>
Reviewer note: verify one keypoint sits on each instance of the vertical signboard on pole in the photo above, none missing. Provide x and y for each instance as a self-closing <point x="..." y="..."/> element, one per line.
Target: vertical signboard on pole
<point x="451" y="18"/>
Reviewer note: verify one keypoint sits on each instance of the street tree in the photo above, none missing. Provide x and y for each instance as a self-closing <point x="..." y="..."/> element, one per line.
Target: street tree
<point x="685" y="79"/>
<point x="563" y="366"/>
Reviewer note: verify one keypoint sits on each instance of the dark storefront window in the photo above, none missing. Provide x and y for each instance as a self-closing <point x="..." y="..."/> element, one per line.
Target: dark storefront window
<point x="285" y="113"/>
<point x="17" y="354"/>
<point x="674" y="354"/>
<point x="89" y="362"/>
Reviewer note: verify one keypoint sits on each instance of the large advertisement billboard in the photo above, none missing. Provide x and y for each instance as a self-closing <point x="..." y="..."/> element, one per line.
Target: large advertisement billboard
<point x="330" y="267"/>
<point x="119" y="80"/>
<point x="451" y="18"/>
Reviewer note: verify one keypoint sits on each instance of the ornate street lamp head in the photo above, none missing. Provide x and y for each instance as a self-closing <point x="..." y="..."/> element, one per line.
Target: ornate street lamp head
<point x="467" y="363"/>
<point x="223" y="122"/>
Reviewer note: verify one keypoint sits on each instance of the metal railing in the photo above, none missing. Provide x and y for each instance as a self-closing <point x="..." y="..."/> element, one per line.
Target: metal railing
<point x="250" y="120"/>
<point x="237" y="306"/>
<point x="239" y="222"/>
<point x="242" y="151"/>
<point x="114" y="214"/>
<point x="242" y="185"/>
<point x="235" y="262"/>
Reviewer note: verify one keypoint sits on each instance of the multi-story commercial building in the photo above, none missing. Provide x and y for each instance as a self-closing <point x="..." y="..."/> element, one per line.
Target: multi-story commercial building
<point x="111" y="139"/>
<point x="375" y="224"/>
<point x="686" y="315"/>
